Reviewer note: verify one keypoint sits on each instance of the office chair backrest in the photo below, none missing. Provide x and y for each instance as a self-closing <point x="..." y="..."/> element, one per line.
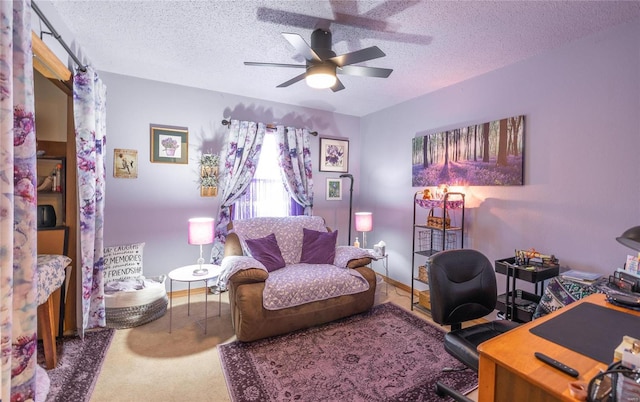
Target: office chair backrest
<point x="462" y="286"/>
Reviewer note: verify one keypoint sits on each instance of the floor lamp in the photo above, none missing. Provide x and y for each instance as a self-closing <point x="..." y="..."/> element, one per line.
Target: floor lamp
<point x="350" y="202"/>
<point x="364" y="224"/>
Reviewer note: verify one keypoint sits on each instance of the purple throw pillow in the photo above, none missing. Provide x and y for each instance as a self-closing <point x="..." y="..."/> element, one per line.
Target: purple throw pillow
<point x="266" y="251"/>
<point x="318" y="247"/>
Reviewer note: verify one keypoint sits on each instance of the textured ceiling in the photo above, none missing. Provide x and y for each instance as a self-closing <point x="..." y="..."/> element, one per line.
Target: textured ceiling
<point x="428" y="44"/>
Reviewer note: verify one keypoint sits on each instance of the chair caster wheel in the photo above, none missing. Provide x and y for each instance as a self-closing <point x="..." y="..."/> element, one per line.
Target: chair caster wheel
<point x="439" y="390"/>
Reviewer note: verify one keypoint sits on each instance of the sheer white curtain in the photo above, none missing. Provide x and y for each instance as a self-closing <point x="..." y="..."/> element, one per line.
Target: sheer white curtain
<point x="266" y="195"/>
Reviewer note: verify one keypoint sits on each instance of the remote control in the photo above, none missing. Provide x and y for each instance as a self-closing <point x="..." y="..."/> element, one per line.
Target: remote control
<point x="554" y="363"/>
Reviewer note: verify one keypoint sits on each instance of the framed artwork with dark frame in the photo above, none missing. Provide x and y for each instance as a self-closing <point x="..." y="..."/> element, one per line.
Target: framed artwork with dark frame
<point x="169" y="144"/>
<point x="334" y="155"/>
<point x="334" y="189"/>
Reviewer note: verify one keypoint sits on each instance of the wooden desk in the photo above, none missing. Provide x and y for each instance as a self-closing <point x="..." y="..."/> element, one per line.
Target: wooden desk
<point x="508" y="370"/>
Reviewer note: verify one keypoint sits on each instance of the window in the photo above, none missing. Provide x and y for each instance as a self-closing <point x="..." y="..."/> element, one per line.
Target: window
<point x="266" y="195"/>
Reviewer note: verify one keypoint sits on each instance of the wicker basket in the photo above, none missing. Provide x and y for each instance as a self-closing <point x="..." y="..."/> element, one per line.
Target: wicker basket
<point x="438" y="221"/>
<point x="424" y="298"/>
<point x="128" y="317"/>
<point x="423" y="274"/>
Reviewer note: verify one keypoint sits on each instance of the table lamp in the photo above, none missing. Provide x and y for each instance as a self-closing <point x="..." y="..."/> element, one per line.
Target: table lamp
<point x="364" y="223"/>
<point x="630" y="238"/>
<point x="201" y="231"/>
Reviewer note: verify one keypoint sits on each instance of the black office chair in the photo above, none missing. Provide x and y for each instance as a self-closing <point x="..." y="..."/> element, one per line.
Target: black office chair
<point x="463" y="287"/>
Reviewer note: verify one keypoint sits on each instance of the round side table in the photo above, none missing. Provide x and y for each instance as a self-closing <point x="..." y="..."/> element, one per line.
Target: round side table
<point x="185" y="274"/>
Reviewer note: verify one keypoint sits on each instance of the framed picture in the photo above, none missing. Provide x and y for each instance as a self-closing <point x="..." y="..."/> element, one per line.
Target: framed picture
<point x="334" y="155"/>
<point x="169" y="144"/>
<point x="334" y="189"/>
<point x="125" y="163"/>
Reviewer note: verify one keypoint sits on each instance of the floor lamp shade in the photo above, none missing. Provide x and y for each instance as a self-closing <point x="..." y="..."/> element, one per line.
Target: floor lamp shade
<point x="201" y="231"/>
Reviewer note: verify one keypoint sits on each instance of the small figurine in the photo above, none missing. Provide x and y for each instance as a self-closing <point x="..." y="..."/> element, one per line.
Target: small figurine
<point x="426" y="194"/>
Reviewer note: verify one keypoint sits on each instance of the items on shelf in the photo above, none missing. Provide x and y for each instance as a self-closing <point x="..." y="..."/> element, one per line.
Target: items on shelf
<point x="631" y="265"/>
<point x="532" y="256"/>
<point x="438" y="221"/>
<point x="433" y="231"/>
<point x="517" y="304"/>
<point x="380" y="248"/>
<point x="58" y="187"/>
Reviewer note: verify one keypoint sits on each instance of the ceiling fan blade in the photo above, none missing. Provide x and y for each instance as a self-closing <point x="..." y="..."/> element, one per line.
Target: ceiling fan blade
<point x="363" y="71"/>
<point x="293" y="80"/>
<point x="253" y="63"/>
<point x="301" y="46"/>
<point x="337" y="86"/>
<point x="358" y="56"/>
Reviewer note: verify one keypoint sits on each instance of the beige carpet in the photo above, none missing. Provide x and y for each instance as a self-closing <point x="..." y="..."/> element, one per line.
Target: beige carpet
<point x="149" y="363"/>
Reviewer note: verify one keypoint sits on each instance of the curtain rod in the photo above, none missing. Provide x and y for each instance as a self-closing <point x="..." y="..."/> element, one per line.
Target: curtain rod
<point x="271" y="126"/>
<point x="55" y="34"/>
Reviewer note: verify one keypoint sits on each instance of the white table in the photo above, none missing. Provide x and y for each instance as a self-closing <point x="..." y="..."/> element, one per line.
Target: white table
<point x="385" y="265"/>
<point x="185" y="274"/>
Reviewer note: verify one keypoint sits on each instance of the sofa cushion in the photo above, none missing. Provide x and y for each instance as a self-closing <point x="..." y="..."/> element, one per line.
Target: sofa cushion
<point x="266" y="250"/>
<point x="298" y="284"/>
<point x="318" y="247"/>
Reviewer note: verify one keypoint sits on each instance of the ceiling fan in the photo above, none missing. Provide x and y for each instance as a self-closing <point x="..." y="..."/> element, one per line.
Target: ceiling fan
<point x="322" y="64"/>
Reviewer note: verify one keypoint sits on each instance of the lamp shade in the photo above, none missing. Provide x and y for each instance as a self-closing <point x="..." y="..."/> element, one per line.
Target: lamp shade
<point x="321" y="76"/>
<point x="631" y="238"/>
<point x="364" y="221"/>
<point x="201" y="230"/>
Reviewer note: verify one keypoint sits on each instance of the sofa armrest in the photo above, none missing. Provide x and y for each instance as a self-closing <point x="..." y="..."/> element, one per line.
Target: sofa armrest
<point x="359" y="262"/>
<point x="232" y="245"/>
<point x="351" y="257"/>
<point x="252" y="275"/>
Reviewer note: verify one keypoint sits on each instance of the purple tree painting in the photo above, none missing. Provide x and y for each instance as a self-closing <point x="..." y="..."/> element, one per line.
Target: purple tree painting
<point x="488" y="154"/>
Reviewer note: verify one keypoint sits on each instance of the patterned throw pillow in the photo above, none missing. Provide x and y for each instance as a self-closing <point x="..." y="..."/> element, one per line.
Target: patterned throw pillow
<point x="266" y="251"/>
<point x="318" y="247"/>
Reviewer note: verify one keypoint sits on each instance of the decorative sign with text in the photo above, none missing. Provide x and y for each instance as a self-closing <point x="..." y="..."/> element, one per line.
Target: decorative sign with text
<point x="123" y="262"/>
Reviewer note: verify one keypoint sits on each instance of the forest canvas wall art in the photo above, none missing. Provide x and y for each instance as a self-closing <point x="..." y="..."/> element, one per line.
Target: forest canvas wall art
<point x="488" y="154"/>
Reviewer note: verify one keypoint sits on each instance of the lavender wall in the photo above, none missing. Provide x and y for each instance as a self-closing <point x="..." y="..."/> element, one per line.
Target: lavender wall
<point x="155" y="207"/>
<point x="581" y="191"/>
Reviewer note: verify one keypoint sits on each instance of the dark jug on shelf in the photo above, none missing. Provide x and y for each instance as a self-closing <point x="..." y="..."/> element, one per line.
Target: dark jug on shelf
<point x="46" y="216"/>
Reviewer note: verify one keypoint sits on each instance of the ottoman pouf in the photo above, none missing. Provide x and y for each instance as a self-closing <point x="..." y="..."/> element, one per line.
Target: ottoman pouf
<point x="130" y="308"/>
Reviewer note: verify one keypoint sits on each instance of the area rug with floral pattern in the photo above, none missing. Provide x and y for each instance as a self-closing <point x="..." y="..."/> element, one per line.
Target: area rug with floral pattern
<point x="385" y="354"/>
<point x="78" y="367"/>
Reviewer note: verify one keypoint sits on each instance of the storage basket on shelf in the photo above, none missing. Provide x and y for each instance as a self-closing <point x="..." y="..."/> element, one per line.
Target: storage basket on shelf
<point x="438" y="221"/>
<point x="424" y="298"/>
<point x="423" y="273"/>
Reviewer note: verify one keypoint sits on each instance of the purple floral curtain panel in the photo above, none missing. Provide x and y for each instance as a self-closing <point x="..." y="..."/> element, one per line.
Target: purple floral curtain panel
<point x="240" y="161"/>
<point x="89" y="112"/>
<point x="18" y="229"/>
<point x="295" y="164"/>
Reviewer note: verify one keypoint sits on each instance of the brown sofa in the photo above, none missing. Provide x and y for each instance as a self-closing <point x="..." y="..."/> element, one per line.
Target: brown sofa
<point x="252" y="321"/>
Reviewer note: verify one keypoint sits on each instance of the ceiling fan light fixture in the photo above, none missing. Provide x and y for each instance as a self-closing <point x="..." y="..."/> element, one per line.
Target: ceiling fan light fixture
<point x="321" y="76"/>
